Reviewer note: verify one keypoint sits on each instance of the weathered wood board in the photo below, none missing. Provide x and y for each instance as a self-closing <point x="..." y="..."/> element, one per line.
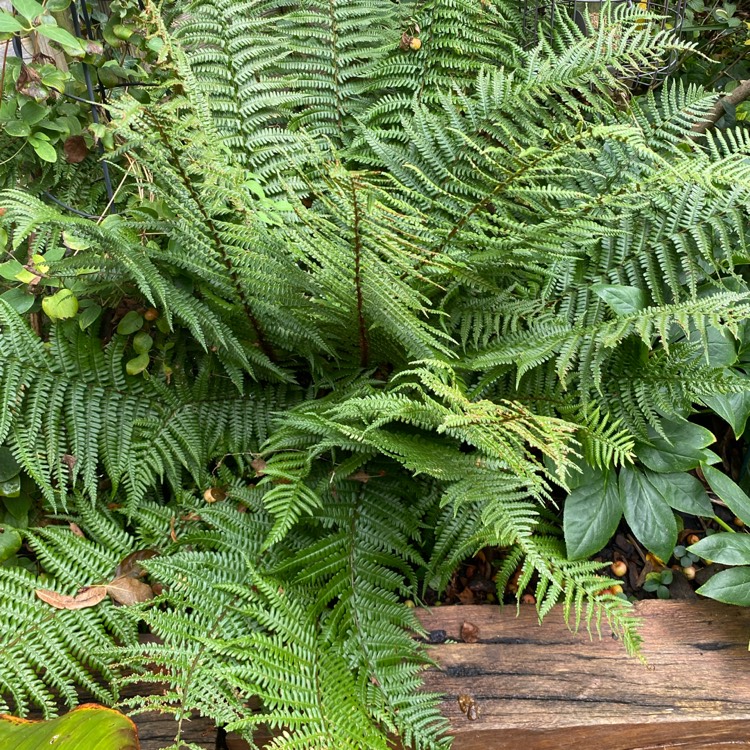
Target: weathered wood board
<point x="540" y="688"/>
<point x="156" y="731"/>
<point x="545" y="688"/>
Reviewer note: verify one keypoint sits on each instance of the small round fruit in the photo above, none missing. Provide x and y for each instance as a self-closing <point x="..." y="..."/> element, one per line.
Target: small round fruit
<point x="409" y="604"/>
<point x="738" y="522"/>
<point x="689" y="572"/>
<point x="122" y="32"/>
<point x="214" y="494"/>
<point x="693" y="539"/>
<point x="528" y="599"/>
<point x="619" y="568"/>
<point x="415" y="43"/>
<point x="616" y="589"/>
<point x="151" y="314"/>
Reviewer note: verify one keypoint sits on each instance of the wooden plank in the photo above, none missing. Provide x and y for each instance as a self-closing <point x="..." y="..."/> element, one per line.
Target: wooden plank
<point x="540" y="688"/>
<point x="546" y="688"/>
<point x="156" y="731"/>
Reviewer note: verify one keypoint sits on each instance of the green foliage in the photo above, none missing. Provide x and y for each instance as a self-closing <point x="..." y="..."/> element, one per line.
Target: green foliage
<point x="658" y="582"/>
<point x="103" y="726"/>
<point x="365" y="307"/>
<point x="721" y="34"/>
<point x="48" y="653"/>
<point x="50" y="138"/>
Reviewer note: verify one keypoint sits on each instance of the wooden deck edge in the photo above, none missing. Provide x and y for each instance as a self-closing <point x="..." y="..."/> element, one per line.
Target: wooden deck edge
<point x="547" y="688"/>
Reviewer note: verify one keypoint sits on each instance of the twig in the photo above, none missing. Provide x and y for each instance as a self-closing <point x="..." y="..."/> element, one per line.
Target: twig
<point x="114" y="195"/>
<point x="737" y="96"/>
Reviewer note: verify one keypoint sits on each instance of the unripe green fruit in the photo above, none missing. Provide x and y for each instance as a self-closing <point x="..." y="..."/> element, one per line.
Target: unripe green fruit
<point x="122" y="32"/>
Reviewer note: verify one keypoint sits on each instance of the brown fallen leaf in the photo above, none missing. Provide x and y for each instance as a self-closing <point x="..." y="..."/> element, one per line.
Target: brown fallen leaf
<point x="469" y="632"/>
<point x="75" y="149"/>
<point x="86" y="597"/>
<point x="76" y="529"/>
<point x="131" y="565"/>
<point x="259" y="466"/>
<point x="127" y="590"/>
<point x="467" y="596"/>
<point x="360" y="476"/>
<point x="27" y="79"/>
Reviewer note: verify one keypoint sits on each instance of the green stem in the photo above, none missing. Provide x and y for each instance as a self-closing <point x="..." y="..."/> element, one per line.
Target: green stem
<point x="724" y="525"/>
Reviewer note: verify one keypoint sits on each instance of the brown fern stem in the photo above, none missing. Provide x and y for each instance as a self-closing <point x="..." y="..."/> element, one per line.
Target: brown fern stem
<point x="364" y="346"/>
<point x="225" y="258"/>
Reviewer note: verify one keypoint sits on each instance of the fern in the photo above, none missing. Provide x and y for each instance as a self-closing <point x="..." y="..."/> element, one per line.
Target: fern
<point x="383" y="278"/>
<point x="49" y="654"/>
<point x="74" y="408"/>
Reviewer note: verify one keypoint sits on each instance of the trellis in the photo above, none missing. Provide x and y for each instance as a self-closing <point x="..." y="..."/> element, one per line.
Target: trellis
<point x="86" y="31"/>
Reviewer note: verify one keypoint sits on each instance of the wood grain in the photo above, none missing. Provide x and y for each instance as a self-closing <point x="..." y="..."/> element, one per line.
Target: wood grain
<point x="544" y="687"/>
<point x="156" y="731"/>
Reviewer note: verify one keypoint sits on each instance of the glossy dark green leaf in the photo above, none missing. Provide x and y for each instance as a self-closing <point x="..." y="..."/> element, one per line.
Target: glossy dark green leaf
<point x="682" y="450"/>
<point x="683" y="492"/>
<point x="737" y="501"/>
<point x="718" y="347"/>
<point x="647" y="512"/>
<point x="730" y="586"/>
<point x="725" y="548"/>
<point x="591" y="514"/>
<point x="733" y="408"/>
